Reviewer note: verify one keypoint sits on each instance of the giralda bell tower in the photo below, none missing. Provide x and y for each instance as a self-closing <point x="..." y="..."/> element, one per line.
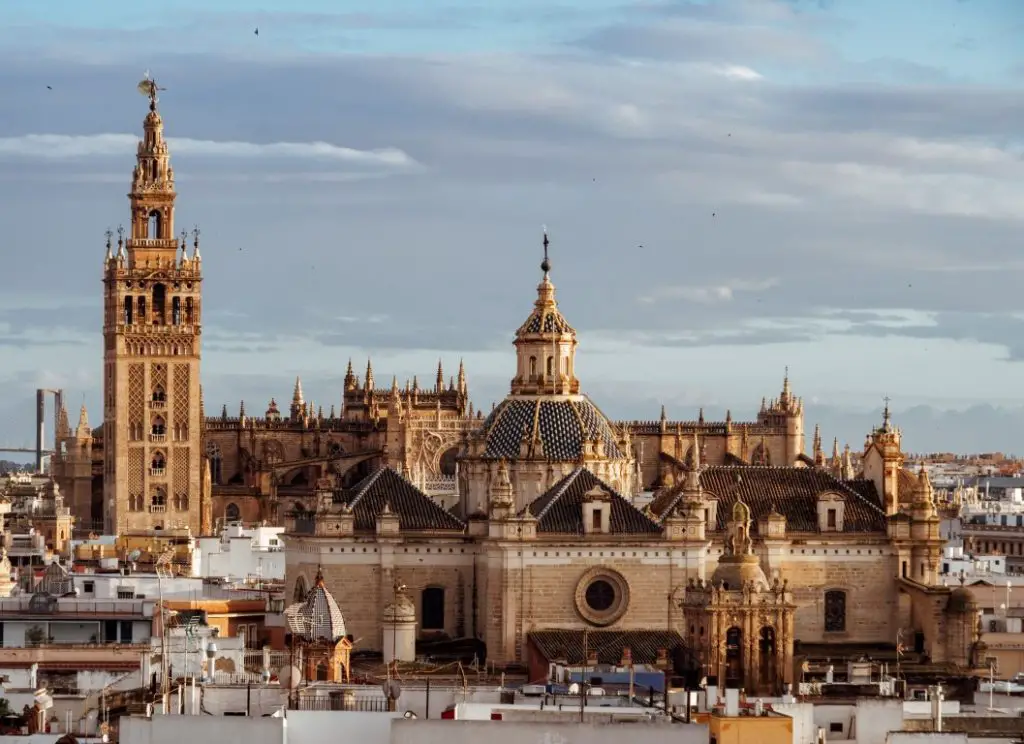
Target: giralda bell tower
<point x="152" y="410"/>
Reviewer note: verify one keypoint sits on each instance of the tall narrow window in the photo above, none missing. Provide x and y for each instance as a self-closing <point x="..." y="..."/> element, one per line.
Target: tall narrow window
<point x="188" y="311"/>
<point x="176" y="311"/>
<point x="533" y="366"/>
<point x="159" y="304"/>
<point x="153" y="228"/>
<point x="129" y="304"/>
<point x="835" y="611"/>
<point x="551" y="366"/>
<point x="433" y="608"/>
<point x="141" y="315"/>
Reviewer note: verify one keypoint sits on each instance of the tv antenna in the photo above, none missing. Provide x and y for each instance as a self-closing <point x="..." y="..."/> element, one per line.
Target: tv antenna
<point x="148" y="87"/>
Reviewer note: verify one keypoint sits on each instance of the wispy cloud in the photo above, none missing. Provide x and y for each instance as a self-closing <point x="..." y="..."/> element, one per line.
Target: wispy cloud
<point x="66" y="147"/>
<point x="708" y="294"/>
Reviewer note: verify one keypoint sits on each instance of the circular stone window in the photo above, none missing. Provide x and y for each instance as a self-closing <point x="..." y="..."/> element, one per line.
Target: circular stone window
<point x="602" y="596"/>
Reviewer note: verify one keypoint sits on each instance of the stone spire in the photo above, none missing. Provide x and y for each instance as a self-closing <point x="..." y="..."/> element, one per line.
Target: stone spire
<point x="298" y="404"/>
<point x="350" y="377"/>
<point x="847" y="472"/>
<point x="368" y="383"/>
<point x="819" y="453"/>
<point x="463" y="387"/>
<point x="83" y="431"/>
<point x="439" y="385"/>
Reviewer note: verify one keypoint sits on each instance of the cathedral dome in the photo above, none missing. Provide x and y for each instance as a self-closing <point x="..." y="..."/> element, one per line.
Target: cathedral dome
<point x="318" y="616"/>
<point x="735" y="571"/>
<point x="554" y="428"/>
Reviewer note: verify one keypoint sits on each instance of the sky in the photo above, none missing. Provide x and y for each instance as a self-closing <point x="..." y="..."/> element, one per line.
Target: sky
<point x="731" y="188"/>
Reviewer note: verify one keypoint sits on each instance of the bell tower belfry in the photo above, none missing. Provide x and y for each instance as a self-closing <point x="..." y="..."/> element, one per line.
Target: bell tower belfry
<point x="152" y="315"/>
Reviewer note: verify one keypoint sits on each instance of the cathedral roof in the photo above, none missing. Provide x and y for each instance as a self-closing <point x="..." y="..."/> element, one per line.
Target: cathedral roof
<point x="318" y="616"/>
<point x="545" y="318"/>
<point x="791" y="491"/>
<point x="386" y="488"/>
<point x="561" y="423"/>
<point x="560" y="510"/>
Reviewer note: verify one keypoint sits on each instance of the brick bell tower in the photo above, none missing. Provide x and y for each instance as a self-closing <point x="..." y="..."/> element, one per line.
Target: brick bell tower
<point x="152" y="425"/>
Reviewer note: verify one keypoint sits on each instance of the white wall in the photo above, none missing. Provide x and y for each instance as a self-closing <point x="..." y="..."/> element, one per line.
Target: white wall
<point x="176" y="729"/>
<point x="357" y="727"/>
<point x="509" y="732"/>
<point x="876" y="718"/>
<point x="242" y="553"/>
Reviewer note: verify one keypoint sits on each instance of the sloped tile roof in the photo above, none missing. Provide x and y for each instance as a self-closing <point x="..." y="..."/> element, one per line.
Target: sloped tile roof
<point x="562" y="424"/>
<point x="560" y="510"/>
<point x="791" y="491"/>
<point x="414" y="509"/>
<point x="568" y="645"/>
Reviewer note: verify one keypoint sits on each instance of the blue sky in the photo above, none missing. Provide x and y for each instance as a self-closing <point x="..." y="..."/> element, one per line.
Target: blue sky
<point x="828" y="185"/>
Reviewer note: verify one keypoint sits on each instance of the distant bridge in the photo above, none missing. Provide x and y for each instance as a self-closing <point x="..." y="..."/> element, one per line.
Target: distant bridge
<point x="25" y="449"/>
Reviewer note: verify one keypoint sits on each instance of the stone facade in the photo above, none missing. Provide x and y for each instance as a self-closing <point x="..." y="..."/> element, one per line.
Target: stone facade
<point x="152" y="426"/>
<point x="548" y="537"/>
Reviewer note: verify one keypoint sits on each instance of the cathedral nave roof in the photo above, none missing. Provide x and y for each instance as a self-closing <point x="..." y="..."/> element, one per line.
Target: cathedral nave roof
<point x="385" y="488"/>
<point x="791" y="491"/>
<point x="560" y="510"/>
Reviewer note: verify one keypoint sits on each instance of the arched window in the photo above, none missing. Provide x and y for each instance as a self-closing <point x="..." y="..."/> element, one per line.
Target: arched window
<point x="835" y="611"/>
<point x="159" y="498"/>
<point x="159" y="462"/>
<point x="232" y="513"/>
<point x="175" y="311"/>
<point x="449" y="464"/>
<point x="321" y="672"/>
<point x="159" y="426"/>
<point x="141" y="315"/>
<point x="533" y="366"/>
<point x="188" y="310"/>
<point x="129" y="304"/>
<point x="153" y="227"/>
<point x="159" y="302"/>
<point x="213" y="455"/>
<point x="432" y="611"/>
<point x="551" y="366"/>
<point x="159" y="394"/>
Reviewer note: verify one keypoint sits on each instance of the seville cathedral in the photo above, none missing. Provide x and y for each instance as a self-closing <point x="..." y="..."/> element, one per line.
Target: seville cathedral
<point x="542" y="516"/>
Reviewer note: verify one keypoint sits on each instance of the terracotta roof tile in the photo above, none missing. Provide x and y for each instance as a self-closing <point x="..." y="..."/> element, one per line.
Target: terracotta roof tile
<point x="791" y="491"/>
<point x="414" y="509"/>
<point x="560" y="510"/>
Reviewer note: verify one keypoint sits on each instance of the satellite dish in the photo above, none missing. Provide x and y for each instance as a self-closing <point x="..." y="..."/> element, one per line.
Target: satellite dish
<point x="392" y="690"/>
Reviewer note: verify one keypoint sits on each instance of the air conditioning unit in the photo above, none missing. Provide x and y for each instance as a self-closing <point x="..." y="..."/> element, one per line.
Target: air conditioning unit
<point x="533" y="690"/>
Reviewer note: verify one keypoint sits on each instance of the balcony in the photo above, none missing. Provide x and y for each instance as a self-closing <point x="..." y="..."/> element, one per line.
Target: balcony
<point x="158" y="405"/>
<point x="158" y="438"/>
<point x="158" y="472"/>
<point x="157" y="508"/>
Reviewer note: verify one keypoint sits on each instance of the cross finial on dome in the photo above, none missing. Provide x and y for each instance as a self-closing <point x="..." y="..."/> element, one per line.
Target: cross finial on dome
<point x="319" y="580"/>
<point x="545" y="265"/>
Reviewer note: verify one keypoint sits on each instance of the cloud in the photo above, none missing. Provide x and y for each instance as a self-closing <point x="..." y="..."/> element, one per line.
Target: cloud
<point x="64" y="147"/>
<point x="708" y="294"/>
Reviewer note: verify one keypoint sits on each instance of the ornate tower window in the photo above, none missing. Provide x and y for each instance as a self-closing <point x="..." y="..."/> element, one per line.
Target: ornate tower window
<point x="158" y="465"/>
<point x="159" y="304"/>
<point x="213" y="455"/>
<point x="176" y="311"/>
<point x="153" y="227"/>
<point x="835" y="611"/>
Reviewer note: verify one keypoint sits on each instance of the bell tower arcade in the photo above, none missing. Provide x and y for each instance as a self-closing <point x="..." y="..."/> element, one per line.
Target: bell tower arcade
<point x="152" y="314"/>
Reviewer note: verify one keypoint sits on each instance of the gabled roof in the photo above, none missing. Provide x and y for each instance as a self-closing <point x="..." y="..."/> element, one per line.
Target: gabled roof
<point x="414" y="509"/>
<point x="560" y="510"/>
<point x="791" y="491"/>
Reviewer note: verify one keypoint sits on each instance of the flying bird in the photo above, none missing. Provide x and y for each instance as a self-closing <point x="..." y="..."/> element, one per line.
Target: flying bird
<point x="257" y="31"/>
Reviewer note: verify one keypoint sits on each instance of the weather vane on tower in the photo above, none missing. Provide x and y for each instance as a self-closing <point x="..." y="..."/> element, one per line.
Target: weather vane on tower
<point x="545" y="265"/>
<point x="148" y="87"/>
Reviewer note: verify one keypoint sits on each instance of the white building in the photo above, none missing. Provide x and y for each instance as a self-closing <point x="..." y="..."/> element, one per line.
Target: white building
<point x="252" y="554"/>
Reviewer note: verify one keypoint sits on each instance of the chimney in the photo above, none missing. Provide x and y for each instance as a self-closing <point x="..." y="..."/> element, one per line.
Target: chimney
<point x="936" y="700"/>
<point x="711" y="693"/>
<point x="732" y="702"/>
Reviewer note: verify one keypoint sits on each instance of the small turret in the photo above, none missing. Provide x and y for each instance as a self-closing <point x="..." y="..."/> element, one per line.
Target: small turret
<point x="297" y="409"/>
<point x="368" y="383"/>
<point x="439" y="384"/>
